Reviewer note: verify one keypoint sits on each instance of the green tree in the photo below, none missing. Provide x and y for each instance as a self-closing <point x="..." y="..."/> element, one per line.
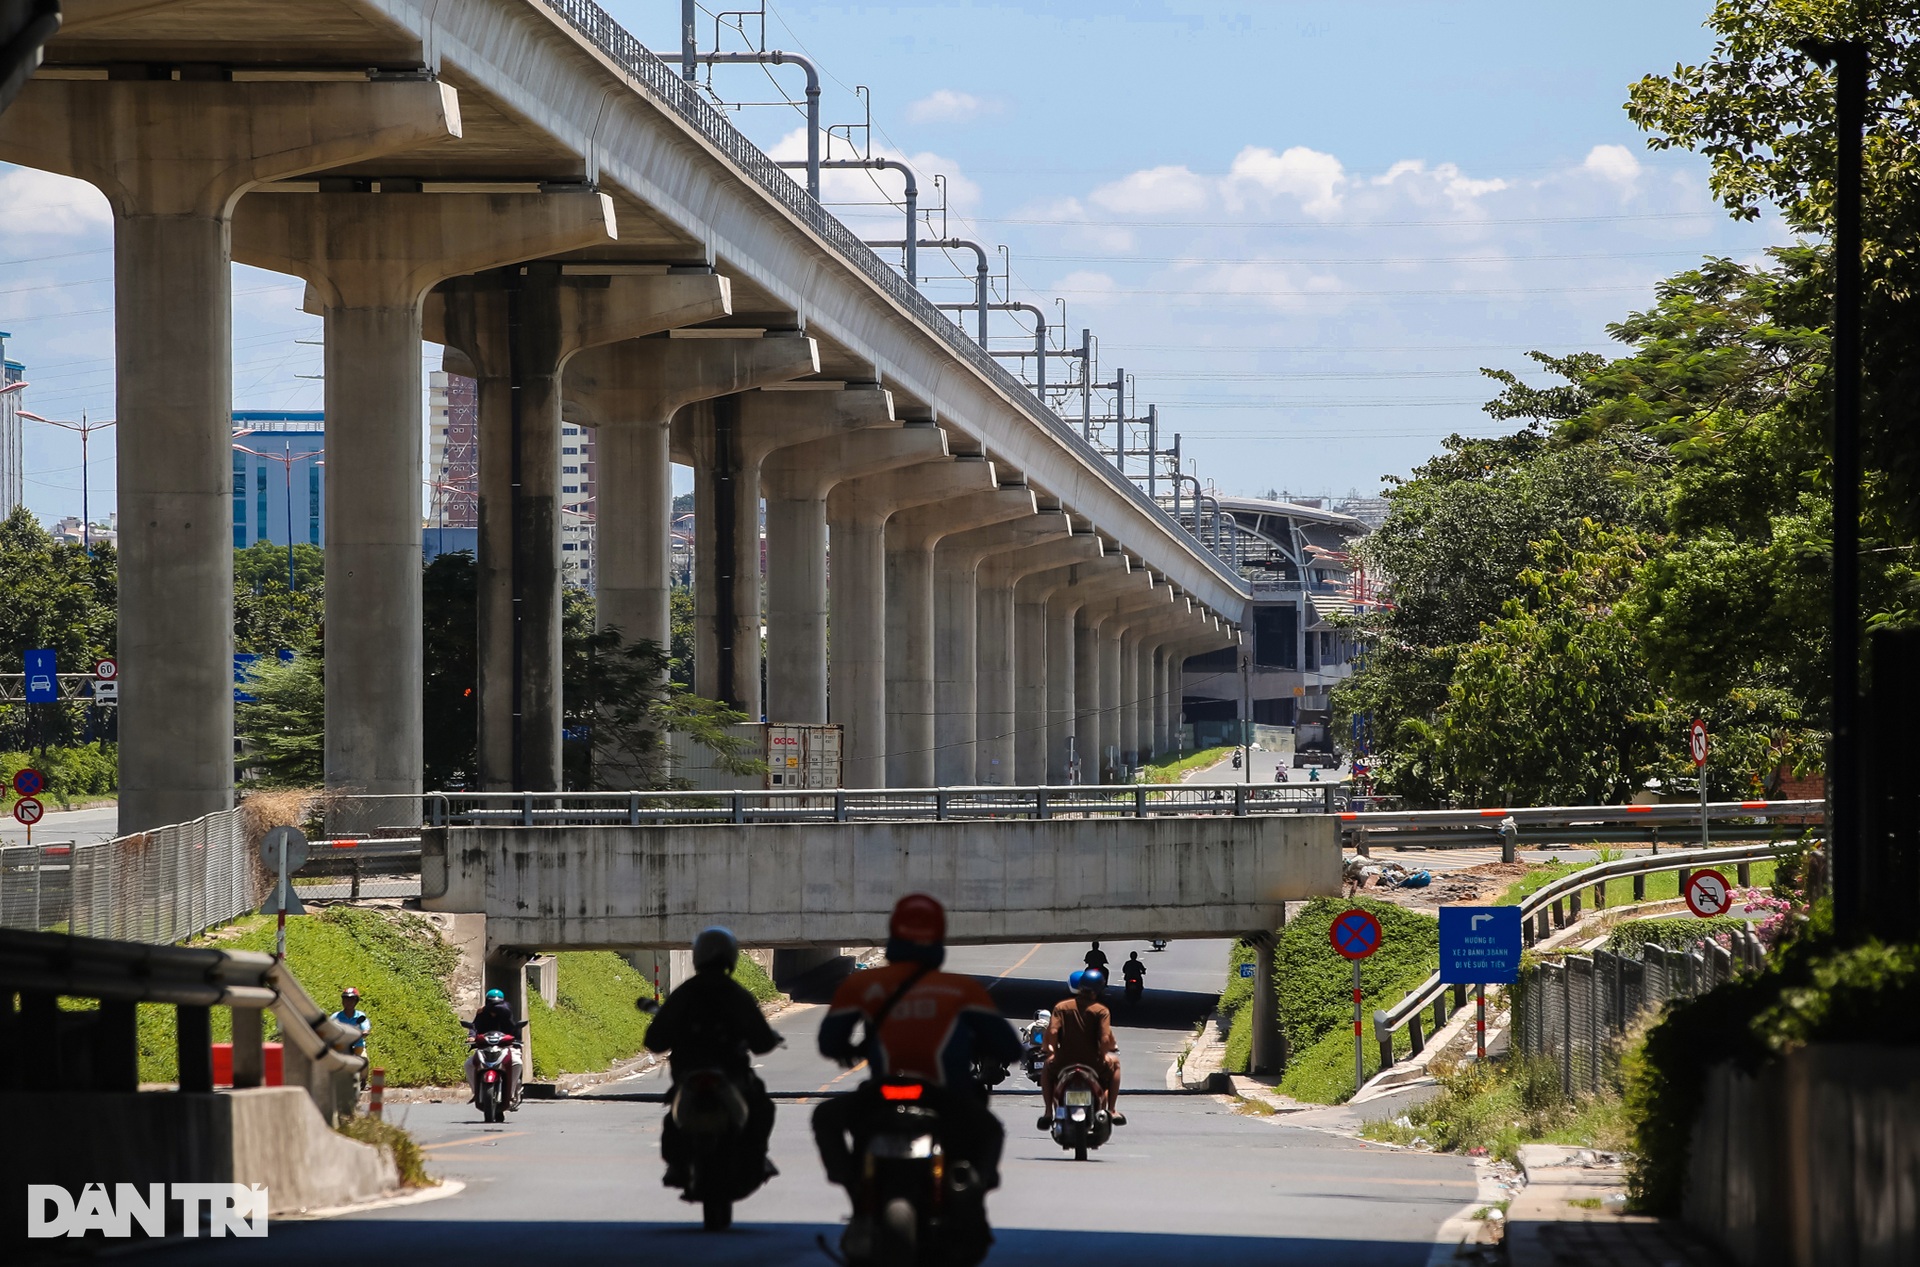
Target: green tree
<point x="622" y="694"/>
<point x="268" y="617"/>
<point x="283" y="728"/>
<point x="51" y="595"/>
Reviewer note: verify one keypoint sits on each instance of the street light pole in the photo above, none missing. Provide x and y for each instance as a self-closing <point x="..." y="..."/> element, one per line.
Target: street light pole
<point x="86" y="430"/>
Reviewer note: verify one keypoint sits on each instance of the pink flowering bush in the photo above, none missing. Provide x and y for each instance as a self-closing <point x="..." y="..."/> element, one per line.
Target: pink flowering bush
<point x="1781" y="915"/>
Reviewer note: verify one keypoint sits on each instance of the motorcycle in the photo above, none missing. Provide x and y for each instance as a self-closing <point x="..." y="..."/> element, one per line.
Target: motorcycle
<point x="490" y="1072"/>
<point x="1134" y="986"/>
<point x="1279" y="774"/>
<point x="1237" y="760"/>
<point x="911" y="1205"/>
<point x="1080" y="1119"/>
<point x="710" y="1111"/>
<point x="988" y="1073"/>
<point x="1033" y="1038"/>
<point x="1158" y="943"/>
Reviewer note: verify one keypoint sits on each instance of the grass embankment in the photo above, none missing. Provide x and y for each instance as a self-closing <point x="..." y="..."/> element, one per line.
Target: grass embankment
<point x="1314" y="986"/>
<point x="1663" y="886"/>
<point x="1502" y="1103"/>
<point x="401" y="967"/>
<point x="1173" y="769"/>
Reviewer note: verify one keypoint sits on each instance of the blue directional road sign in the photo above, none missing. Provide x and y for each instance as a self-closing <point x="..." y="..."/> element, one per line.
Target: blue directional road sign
<point x="1246" y="971"/>
<point x="1479" y="945"/>
<point x="43" y="677"/>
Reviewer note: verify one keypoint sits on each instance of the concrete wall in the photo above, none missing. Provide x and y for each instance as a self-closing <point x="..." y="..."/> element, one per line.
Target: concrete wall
<point x="833" y="884"/>
<point x="268" y="1135"/>
<point x="1812" y="1162"/>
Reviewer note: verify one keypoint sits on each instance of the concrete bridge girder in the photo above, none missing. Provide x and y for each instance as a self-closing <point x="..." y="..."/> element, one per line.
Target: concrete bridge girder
<point x="172" y="159"/>
<point x="916" y="641"/>
<point x="857" y="515"/>
<point x="369" y="260"/>
<point x="727" y="440"/>
<point x="974" y="652"/>
<point x="796" y="482"/>
<point x="629" y="392"/>
<point x="517" y="329"/>
<point x="833" y="884"/>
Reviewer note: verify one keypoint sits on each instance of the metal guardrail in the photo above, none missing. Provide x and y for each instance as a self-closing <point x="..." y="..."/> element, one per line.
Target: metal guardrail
<point x="1555" y="898"/>
<point x="665" y="85"/>
<point x="1511" y="828"/>
<point x="755" y="806"/>
<point x="55" y="964"/>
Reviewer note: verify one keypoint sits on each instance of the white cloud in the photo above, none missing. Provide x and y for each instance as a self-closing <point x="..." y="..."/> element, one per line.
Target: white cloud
<point x="41" y="203"/>
<point x="1155" y="190"/>
<point x="947" y="105"/>
<point x="1615" y="163"/>
<point x="1312" y="178"/>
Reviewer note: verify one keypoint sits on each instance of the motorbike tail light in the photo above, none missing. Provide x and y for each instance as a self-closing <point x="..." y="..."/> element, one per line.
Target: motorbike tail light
<point x="900" y="1091"/>
<point x="491" y="1075"/>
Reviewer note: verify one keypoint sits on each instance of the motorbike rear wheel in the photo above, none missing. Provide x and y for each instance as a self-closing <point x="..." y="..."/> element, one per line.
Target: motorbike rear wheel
<point x="1079" y="1152"/>
<point x="897" y="1238"/>
<point x="716" y="1215"/>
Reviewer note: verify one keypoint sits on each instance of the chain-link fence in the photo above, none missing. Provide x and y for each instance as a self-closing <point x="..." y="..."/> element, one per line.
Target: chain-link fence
<point x="160" y="886"/>
<point x="1577" y="1009"/>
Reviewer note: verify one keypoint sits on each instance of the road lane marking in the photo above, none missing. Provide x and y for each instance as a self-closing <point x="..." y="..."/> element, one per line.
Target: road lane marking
<point x="842" y="1078"/>
<point x="1031" y="952"/>
<point x="478" y="1139"/>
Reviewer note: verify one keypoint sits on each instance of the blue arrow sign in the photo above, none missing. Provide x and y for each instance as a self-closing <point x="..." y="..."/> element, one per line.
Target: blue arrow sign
<point x="1479" y="945"/>
<point x="1246" y="970"/>
<point x="43" y="677"/>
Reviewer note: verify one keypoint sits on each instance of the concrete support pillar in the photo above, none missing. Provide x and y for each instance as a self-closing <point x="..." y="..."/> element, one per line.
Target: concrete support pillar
<point x="517" y="329"/>
<point x="857" y="514"/>
<point x="796" y="482"/>
<point x="172" y="159"/>
<point x="997" y="641"/>
<point x="1110" y="712"/>
<point x="369" y="260"/>
<point x="630" y="392"/>
<point x="1268" y="1050"/>
<point x="1070" y="690"/>
<point x="727" y="441"/>
<point x="923" y="650"/>
<point x="1088" y="744"/>
<point x="663" y="968"/>
<point x="1031" y="672"/>
<point x="1146" y="733"/>
<point x="966" y="662"/>
<point x="1129" y="709"/>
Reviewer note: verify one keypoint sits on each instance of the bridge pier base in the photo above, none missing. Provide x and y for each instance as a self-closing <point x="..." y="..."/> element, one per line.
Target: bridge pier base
<point x="1269" y="1053"/>
<point x="791" y="964"/>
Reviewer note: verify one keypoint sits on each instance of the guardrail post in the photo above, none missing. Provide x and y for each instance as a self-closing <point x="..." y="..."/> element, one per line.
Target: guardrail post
<point x="1042" y="808"/>
<point x="1685" y="874"/>
<point x="193" y="1039"/>
<point x="1640" y="888"/>
<point x="526" y="809"/>
<point x="1509" y="839"/>
<point x="1360" y="845"/>
<point x="116" y="1047"/>
<point x="1139" y="800"/>
<point x="1439" y="1011"/>
<point x="738" y="804"/>
<point x="353" y="892"/>
<point x="1559" y="913"/>
<point x="940" y="805"/>
<point x="633" y="809"/>
<point x="1416" y="1038"/>
<point x="1326" y="798"/>
<point x="249" y="1058"/>
<point x="839" y="805"/>
<point x="1744" y="870"/>
<point x="1239" y="800"/>
<point x="1573" y="907"/>
<point x="1600" y="896"/>
<point x="437" y="814"/>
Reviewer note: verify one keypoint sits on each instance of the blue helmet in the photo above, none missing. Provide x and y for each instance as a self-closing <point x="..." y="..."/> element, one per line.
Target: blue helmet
<point x="1086" y="979"/>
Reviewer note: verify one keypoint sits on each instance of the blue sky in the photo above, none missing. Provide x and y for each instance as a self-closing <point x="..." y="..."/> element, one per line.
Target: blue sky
<point x="1301" y="228"/>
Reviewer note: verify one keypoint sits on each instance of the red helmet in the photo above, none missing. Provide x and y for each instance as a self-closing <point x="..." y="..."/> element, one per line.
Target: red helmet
<point x="918" y="919"/>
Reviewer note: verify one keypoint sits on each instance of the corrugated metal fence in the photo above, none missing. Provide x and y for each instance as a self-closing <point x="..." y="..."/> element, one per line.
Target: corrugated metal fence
<point x="160" y="886"/>
<point x="1575" y="1010"/>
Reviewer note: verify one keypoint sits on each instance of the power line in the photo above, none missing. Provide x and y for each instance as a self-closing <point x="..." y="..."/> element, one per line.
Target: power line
<point x="1347" y="224"/>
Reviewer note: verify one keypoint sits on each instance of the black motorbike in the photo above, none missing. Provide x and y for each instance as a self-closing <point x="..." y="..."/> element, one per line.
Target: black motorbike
<point x="1134" y="986"/>
<point x="1080" y="1121"/>
<point x="711" y="1111"/>
<point x="913" y="1206"/>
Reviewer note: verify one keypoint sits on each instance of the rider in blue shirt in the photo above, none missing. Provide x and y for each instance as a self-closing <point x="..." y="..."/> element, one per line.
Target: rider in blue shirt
<point x="350" y="1014"/>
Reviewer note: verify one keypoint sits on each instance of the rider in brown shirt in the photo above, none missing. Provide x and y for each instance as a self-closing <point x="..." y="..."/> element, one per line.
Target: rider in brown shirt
<point x="1081" y="1033"/>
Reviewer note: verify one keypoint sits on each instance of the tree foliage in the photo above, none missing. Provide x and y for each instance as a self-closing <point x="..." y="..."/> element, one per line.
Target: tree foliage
<point x="52" y="595"/>
<point x="268" y="617"/>
<point x="283" y="726"/>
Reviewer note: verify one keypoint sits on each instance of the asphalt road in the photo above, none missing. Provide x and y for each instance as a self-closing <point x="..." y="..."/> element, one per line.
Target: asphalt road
<point x="78" y="826"/>
<point x="1187" y="1181"/>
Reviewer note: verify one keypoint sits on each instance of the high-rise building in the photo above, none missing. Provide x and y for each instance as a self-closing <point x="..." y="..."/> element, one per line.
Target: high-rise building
<point x="453" y="474"/>
<point x="13" y="467"/>
<point x="277" y="492"/>
<point x="576" y="506"/>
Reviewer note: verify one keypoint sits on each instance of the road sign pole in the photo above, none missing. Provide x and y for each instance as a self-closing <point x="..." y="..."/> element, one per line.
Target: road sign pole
<point x="280" y="929"/>
<point x="1480" y="1021"/>
<point x="1359" y="1047"/>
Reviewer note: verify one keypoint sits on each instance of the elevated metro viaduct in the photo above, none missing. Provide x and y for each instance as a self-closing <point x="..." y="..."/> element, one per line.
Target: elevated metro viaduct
<point x="814" y="887"/>
<point x="523" y="182"/>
